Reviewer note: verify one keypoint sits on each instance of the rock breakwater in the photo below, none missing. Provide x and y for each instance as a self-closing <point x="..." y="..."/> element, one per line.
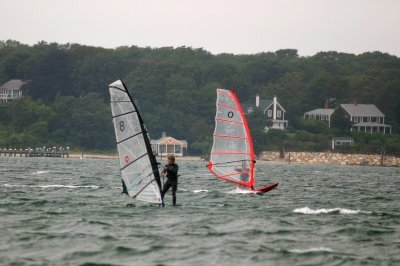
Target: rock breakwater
<point x="332" y="158"/>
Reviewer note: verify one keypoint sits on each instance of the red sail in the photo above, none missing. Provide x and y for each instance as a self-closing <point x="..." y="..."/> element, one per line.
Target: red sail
<point x="232" y="154"/>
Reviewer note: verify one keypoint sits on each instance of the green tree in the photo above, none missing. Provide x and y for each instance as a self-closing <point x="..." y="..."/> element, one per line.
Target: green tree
<point x="340" y="120"/>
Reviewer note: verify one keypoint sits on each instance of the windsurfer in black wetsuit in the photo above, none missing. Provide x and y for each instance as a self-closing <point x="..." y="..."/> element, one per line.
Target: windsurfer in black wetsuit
<point x="172" y="178"/>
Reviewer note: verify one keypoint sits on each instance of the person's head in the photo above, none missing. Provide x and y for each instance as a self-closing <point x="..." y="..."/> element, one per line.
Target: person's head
<point x="171" y="159"/>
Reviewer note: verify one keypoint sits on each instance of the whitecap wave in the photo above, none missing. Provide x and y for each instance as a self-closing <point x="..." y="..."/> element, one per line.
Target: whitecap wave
<point x="40" y="172"/>
<point x="200" y="190"/>
<point x="8" y="185"/>
<point x="307" y="210"/>
<point x="52" y="186"/>
<point x="309" y="250"/>
<point x="65" y="186"/>
<point x="239" y="190"/>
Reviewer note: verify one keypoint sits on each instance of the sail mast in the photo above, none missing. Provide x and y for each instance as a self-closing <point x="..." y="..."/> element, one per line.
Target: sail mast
<point x="249" y="139"/>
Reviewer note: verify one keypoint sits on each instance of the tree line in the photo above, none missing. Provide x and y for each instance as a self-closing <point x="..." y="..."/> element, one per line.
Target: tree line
<point x="67" y="96"/>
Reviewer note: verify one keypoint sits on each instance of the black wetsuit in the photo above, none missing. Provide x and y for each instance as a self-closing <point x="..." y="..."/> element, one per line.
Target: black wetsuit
<point x="172" y="181"/>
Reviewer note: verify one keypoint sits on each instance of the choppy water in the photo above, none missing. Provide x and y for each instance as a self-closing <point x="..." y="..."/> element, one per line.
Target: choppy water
<point x="71" y="212"/>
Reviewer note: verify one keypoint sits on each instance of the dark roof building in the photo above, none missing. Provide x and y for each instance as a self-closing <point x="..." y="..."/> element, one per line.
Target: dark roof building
<point x="11" y="90"/>
<point x="272" y="109"/>
<point x="366" y="118"/>
<point x="320" y="115"/>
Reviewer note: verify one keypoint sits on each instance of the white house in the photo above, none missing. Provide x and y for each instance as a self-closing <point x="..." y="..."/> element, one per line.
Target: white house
<point x="366" y="118"/>
<point x="323" y="115"/>
<point x="169" y="146"/>
<point x="272" y="109"/>
<point x="11" y="90"/>
<point x="341" y="141"/>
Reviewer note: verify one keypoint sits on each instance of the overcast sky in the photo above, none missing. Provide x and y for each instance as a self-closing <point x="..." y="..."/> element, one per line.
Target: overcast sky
<point x="218" y="26"/>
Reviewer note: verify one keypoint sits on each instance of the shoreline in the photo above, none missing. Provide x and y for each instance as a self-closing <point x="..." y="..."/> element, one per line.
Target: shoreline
<point x="115" y="156"/>
<point x="92" y="156"/>
<point x="324" y="158"/>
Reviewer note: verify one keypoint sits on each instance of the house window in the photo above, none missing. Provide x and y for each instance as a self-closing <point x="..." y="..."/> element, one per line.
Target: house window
<point x="178" y="149"/>
<point x="322" y="117"/>
<point x="269" y="113"/>
<point x="250" y="110"/>
<point x="170" y="148"/>
<point x="161" y="149"/>
<point x="278" y="113"/>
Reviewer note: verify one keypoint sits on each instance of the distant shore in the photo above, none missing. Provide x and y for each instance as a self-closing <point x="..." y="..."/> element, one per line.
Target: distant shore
<point x="93" y="156"/>
<point x="115" y="156"/>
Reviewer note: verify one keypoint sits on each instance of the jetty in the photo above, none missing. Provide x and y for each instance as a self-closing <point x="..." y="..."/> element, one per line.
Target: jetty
<point x="60" y="152"/>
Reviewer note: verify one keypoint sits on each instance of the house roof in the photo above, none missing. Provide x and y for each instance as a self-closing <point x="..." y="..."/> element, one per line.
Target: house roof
<point x="264" y="104"/>
<point x="160" y="140"/>
<point x="13" y="85"/>
<point x="320" y="112"/>
<point x="362" y="110"/>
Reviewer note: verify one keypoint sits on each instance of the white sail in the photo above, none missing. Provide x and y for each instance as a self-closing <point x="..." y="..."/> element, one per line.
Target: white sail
<point x="137" y="162"/>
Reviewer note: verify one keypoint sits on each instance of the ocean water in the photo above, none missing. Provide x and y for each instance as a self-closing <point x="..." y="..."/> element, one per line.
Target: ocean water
<point x="71" y="212"/>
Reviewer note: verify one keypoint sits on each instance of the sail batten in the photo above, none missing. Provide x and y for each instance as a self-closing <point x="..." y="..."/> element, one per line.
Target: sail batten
<point x="228" y="106"/>
<point x="232" y="156"/>
<point x="226" y="93"/>
<point x="124" y="114"/>
<point x="231" y="152"/>
<point x="137" y="162"/>
<point x="128" y="138"/>
<point x="228" y="121"/>
<point x="134" y="161"/>
<point x="232" y="137"/>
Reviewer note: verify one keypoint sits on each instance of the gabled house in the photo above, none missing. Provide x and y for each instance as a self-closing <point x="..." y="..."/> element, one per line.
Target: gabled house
<point x="168" y="146"/>
<point x="273" y="111"/>
<point x="366" y="118"/>
<point x="11" y="90"/>
<point x="323" y="115"/>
